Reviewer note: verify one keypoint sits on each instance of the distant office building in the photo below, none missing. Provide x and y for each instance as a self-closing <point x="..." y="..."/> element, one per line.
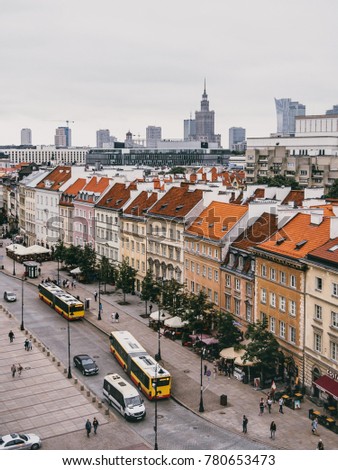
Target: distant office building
<point x="102" y="137"/>
<point x="287" y="111"/>
<point x="153" y="135"/>
<point x="26" y="136"/>
<point x="205" y="121"/>
<point x="63" y="137"/>
<point x="236" y="139"/>
<point x="189" y="129"/>
<point x="334" y="110"/>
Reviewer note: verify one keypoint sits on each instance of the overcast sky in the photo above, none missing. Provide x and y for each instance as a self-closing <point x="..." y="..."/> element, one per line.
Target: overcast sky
<point x="124" y="65"/>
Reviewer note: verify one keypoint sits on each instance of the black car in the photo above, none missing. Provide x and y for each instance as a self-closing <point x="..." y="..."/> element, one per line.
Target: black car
<point x="85" y="364"/>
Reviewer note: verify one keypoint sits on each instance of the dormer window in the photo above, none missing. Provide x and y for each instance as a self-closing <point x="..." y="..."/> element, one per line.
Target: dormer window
<point x="240" y="263"/>
<point x="163" y="206"/>
<point x="231" y="259"/>
<point x="118" y="202"/>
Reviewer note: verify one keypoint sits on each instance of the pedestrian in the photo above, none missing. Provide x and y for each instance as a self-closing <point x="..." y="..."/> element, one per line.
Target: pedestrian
<point x="11" y="336"/>
<point x="261" y="406"/>
<point x="245" y="424"/>
<point x="74" y="284"/>
<point x="273" y="428"/>
<point x="20" y="369"/>
<point x="29" y="347"/>
<point x="39" y="271"/>
<point x="13" y="370"/>
<point x="88" y="427"/>
<point x="95" y="425"/>
<point x="95" y="296"/>
<point x="269" y="403"/>
<point x="215" y="370"/>
<point x="205" y="369"/>
<point x="314" y="426"/>
<point x="117" y="316"/>
<point x="281" y="403"/>
<point x="26" y="344"/>
<point x="320" y="445"/>
<point x="150" y="308"/>
<point x="208" y="374"/>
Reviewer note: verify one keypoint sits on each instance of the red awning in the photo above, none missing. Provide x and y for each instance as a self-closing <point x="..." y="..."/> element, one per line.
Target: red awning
<point x="328" y="385"/>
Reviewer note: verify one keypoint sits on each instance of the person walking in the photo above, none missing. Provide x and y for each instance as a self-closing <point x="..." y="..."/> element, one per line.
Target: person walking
<point x="245" y="424"/>
<point x="269" y="403"/>
<point x="314" y="426"/>
<point x="205" y="369"/>
<point x="273" y="429"/>
<point x="29" y="346"/>
<point x="20" y="369"/>
<point x="26" y="344"/>
<point x="261" y="406"/>
<point x="13" y="370"/>
<point x="95" y="425"/>
<point x="150" y="309"/>
<point x="11" y="336"/>
<point x="117" y="316"/>
<point x="281" y="403"/>
<point x="320" y="445"/>
<point x="88" y="427"/>
<point x="95" y="296"/>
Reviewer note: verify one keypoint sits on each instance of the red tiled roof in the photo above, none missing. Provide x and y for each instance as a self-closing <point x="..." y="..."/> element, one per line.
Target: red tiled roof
<point x="328" y="251"/>
<point x="95" y="186"/>
<point x="216" y="220"/>
<point x="115" y="198"/>
<point x="177" y="202"/>
<point x="141" y="204"/>
<point x="298" y="237"/>
<point x="54" y="180"/>
<point x="258" y="232"/>
<point x="70" y="193"/>
<point x="296" y="196"/>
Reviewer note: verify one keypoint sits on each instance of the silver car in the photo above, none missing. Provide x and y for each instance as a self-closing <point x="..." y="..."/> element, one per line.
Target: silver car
<point x="20" y="441"/>
<point x="9" y="296"/>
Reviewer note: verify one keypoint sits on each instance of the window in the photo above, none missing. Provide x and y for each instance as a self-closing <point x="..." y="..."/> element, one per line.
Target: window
<point x="263" y="270"/>
<point x="263" y="296"/>
<point x="204" y="272"/>
<point x="282" y="329"/>
<point x="237" y="307"/>
<point x="231" y="259"/>
<point x="282" y="277"/>
<point x="215" y="253"/>
<point x="237" y="284"/>
<point x="187" y="265"/>
<point x="228" y="280"/>
<point x="197" y="268"/>
<point x="240" y="263"/>
<point x="317" y="342"/>
<point x="293" y="281"/>
<point x="319" y="283"/>
<point x="210" y="251"/>
<point x="209" y="273"/>
<point x="334" y="319"/>
<point x="272" y="325"/>
<point x="292" y="335"/>
<point x="292" y="308"/>
<point x="333" y="351"/>
<point x="318" y="313"/>
<point x="248" y="289"/>
<point x="216" y="298"/>
<point x="209" y="294"/>
<point x="216" y="275"/>
<point x="272" y="274"/>
<point x="273" y="299"/>
<point x="248" y="312"/>
<point x="228" y="303"/>
<point x="335" y="289"/>
<point x="192" y="286"/>
<point x="192" y="267"/>
<point x="282" y="303"/>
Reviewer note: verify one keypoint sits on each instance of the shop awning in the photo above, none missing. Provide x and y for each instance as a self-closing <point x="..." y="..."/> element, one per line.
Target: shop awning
<point x="328" y="385"/>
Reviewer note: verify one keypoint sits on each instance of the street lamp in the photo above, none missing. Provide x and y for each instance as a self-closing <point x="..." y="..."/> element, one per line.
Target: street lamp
<point x="14" y="248"/>
<point x="201" y="407"/>
<point x="100" y="305"/>
<point x="156" y="420"/>
<point x="22" y="326"/>
<point x="69" y="376"/>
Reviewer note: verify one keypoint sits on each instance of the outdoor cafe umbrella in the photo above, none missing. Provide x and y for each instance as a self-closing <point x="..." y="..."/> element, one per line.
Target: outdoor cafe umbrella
<point x="163" y="315"/>
<point x="175" y="322"/>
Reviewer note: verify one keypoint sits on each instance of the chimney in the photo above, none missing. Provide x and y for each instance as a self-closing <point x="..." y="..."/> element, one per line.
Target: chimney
<point x="333" y="227"/>
<point x="317" y="217"/>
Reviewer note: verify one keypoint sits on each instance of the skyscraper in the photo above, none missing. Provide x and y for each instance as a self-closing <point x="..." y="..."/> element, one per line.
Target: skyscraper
<point x="153" y="134"/>
<point x="205" y="121"/>
<point x="102" y="137"/>
<point x="26" y="136"/>
<point x="236" y="138"/>
<point x="63" y="137"/>
<point x="286" y="111"/>
<point x="334" y="110"/>
<point x="189" y="129"/>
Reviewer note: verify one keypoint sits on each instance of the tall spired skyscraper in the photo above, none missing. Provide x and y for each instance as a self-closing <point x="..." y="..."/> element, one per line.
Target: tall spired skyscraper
<point x="205" y="121"/>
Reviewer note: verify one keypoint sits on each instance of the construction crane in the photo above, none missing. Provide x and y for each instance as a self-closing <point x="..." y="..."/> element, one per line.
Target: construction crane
<point x="61" y="120"/>
<point x="67" y="122"/>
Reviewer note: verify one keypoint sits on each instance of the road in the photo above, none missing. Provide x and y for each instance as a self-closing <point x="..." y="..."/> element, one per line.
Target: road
<point x="174" y="421"/>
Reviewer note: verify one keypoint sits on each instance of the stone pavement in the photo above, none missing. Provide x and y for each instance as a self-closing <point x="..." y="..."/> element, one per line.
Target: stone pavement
<point x="293" y="427"/>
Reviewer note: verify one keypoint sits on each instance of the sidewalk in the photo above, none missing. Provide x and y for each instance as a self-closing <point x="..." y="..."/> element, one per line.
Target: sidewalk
<point x="293" y="427"/>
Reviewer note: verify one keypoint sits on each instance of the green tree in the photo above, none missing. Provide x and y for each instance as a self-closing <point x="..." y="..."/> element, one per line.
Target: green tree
<point x="263" y="349"/>
<point x="228" y="334"/>
<point x="72" y="256"/>
<point x="106" y="272"/>
<point x="150" y="289"/>
<point x="278" y="181"/>
<point x="173" y="297"/>
<point x="177" y="170"/>
<point x="199" y="313"/>
<point x="60" y="251"/>
<point x="126" y="278"/>
<point x="333" y="191"/>
<point x="87" y="263"/>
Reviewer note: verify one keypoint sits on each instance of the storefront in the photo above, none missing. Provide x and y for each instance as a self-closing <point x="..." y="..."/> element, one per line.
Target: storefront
<point x="327" y="388"/>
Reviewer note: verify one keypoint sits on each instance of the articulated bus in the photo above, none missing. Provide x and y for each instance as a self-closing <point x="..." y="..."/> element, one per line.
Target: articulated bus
<point x="65" y="304"/>
<point x="150" y="378"/>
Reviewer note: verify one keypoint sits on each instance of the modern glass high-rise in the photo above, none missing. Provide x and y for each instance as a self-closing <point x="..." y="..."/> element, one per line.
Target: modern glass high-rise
<point x="287" y="110"/>
<point x="189" y="129"/>
<point x="153" y="135"/>
<point x="102" y="137"/>
<point x="26" y="136"/>
<point x="236" y="136"/>
<point x="334" y="110"/>
<point x="63" y="137"/>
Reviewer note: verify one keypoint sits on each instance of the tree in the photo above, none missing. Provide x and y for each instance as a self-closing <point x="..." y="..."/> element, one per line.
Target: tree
<point x="126" y="278"/>
<point x="278" y="181"/>
<point x="177" y="170"/>
<point x="72" y="256"/>
<point x="173" y="298"/>
<point x="333" y="191"/>
<point x="87" y="263"/>
<point x="60" y="251"/>
<point x="263" y="349"/>
<point x="228" y="334"/>
<point x="150" y="289"/>
<point x="106" y="272"/>
<point x="199" y="312"/>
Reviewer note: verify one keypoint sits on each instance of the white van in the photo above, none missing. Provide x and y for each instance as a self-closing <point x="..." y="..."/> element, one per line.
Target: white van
<point x="124" y="397"/>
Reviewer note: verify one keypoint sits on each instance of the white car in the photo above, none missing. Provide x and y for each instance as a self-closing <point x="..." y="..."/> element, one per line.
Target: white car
<point x="20" y="441"/>
<point x="9" y="296"/>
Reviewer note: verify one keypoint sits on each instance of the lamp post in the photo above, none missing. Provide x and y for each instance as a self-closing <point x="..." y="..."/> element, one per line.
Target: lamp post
<point x="14" y="248"/>
<point x="69" y="376"/>
<point x="156" y="420"/>
<point x="201" y="407"/>
<point x="58" y="260"/>
<point x="100" y="305"/>
<point x="22" y="326"/>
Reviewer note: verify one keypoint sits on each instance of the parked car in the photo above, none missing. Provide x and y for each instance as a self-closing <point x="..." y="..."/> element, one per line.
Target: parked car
<point x="85" y="364"/>
<point x="9" y="296"/>
<point x="20" y="441"/>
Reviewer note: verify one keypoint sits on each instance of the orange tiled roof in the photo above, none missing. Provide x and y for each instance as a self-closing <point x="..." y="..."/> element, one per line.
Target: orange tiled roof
<point x="177" y="202"/>
<point x="115" y="198"/>
<point x="56" y="178"/>
<point x="258" y="232"/>
<point x="141" y="204"/>
<point x="327" y="210"/>
<point x="95" y="186"/>
<point x="216" y="220"/>
<point x="70" y="193"/>
<point x="296" y="196"/>
<point x="298" y="237"/>
<point x="326" y="252"/>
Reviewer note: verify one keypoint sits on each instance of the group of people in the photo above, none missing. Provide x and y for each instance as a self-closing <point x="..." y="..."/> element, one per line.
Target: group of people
<point x="28" y="344"/>
<point x="15" y="369"/>
<point x="89" y="426"/>
<point x="115" y="317"/>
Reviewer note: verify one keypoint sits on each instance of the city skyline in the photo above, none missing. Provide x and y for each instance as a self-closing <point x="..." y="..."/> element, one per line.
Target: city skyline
<point x="133" y="66"/>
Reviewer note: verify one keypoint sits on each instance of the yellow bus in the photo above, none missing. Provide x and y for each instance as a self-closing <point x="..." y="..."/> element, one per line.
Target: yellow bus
<point x="64" y="303"/>
<point x="149" y="376"/>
